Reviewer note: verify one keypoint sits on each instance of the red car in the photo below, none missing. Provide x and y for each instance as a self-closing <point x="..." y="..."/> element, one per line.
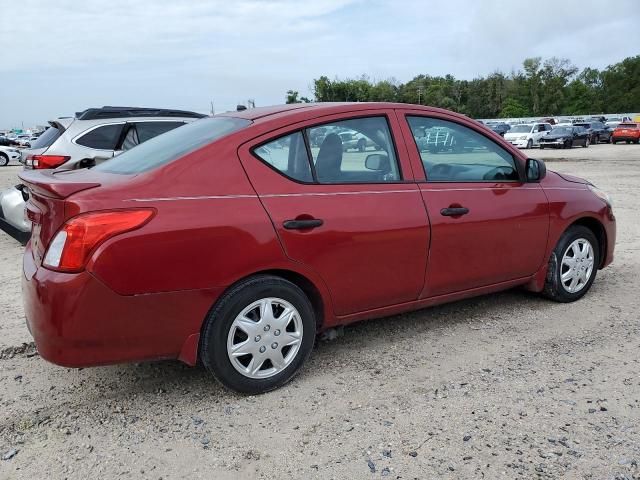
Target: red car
<point x="626" y="132"/>
<point x="233" y="240"/>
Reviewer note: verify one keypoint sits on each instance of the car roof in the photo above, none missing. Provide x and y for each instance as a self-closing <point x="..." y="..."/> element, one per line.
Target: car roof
<point x="327" y="108"/>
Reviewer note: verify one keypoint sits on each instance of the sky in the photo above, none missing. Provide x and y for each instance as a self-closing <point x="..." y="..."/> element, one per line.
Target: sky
<point x="63" y="56"/>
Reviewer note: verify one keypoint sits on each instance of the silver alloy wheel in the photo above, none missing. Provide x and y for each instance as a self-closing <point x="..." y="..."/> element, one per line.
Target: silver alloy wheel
<point x="577" y="265"/>
<point x="264" y="338"/>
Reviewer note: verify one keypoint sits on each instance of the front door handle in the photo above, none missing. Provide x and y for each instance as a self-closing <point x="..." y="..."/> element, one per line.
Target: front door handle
<point x="302" y="224"/>
<point x="454" y="211"/>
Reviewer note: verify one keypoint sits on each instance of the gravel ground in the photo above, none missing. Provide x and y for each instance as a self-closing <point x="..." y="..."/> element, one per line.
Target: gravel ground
<point x="503" y="386"/>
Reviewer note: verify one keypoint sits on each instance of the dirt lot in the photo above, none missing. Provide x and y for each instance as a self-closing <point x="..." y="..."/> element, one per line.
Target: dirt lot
<point x="503" y="386"/>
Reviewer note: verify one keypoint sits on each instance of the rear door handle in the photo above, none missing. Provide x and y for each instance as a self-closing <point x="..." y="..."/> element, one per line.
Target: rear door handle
<point x="302" y="224"/>
<point x="454" y="211"/>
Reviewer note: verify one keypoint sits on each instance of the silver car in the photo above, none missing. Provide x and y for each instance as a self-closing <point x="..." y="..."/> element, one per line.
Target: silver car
<point x="88" y="138"/>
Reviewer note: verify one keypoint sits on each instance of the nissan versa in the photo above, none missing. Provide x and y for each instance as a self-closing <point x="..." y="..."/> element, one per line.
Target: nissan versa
<point x="233" y="240"/>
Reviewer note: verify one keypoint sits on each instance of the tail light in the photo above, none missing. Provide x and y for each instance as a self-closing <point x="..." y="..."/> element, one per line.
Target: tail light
<point x="45" y="161"/>
<point x="80" y="236"/>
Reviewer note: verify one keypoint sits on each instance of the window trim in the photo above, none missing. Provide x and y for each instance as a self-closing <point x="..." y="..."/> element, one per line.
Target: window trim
<point x="303" y="130"/>
<point x="516" y="164"/>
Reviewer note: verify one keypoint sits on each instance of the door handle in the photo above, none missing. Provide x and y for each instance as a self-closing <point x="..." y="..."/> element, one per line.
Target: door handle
<point x="454" y="211"/>
<point x="302" y="224"/>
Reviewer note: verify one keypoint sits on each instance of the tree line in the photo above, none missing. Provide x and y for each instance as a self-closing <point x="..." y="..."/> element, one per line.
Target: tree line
<point x="540" y="88"/>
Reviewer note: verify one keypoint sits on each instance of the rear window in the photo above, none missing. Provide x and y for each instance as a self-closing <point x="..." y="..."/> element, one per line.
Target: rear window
<point x="628" y="125"/>
<point x="172" y="145"/>
<point x="47" y="138"/>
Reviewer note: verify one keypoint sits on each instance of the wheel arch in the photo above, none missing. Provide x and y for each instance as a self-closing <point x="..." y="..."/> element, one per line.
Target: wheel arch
<point x="598" y="230"/>
<point x="190" y="353"/>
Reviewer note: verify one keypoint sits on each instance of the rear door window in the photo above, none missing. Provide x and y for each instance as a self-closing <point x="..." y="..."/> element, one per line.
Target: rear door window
<point x="104" y="137"/>
<point x="358" y="150"/>
<point x="288" y="155"/>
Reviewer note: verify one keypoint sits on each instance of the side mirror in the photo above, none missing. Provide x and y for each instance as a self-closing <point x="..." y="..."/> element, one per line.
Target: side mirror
<point x="377" y="162"/>
<point x="536" y="170"/>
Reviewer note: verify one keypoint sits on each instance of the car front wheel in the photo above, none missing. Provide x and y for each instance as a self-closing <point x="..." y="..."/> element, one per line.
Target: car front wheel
<point x="573" y="265"/>
<point x="4" y="160"/>
<point x="258" y="335"/>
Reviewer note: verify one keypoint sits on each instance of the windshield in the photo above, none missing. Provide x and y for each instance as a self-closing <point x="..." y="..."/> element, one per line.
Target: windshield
<point x="172" y="145"/>
<point x="520" y="129"/>
<point x="47" y="138"/>
<point x="562" y="131"/>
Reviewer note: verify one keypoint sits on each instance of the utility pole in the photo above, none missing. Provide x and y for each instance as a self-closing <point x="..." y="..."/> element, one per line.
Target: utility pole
<point x="213" y="111"/>
<point x="420" y="95"/>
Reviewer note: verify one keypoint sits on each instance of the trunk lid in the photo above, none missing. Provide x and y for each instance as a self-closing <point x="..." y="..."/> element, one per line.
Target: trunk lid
<point x="47" y="207"/>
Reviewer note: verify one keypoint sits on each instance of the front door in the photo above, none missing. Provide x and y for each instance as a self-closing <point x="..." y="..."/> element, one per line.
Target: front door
<point x="343" y="202"/>
<point x="487" y="225"/>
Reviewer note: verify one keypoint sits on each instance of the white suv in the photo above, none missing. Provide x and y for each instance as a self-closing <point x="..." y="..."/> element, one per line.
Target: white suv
<point x="527" y="135"/>
<point x="91" y="137"/>
<point x="98" y="134"/>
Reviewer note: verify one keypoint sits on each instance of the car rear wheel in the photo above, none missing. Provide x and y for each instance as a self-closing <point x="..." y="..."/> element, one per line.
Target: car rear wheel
<point x="573" y="265"/>
<point x="4" y="160"/>
<point x="258" y="335"/>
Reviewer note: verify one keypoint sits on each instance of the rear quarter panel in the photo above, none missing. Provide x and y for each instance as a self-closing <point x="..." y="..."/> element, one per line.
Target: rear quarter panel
<point x="209" y="229"/>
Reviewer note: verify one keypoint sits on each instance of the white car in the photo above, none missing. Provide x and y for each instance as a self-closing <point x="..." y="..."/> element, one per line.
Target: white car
<point x="7" y="154"/>
<point x="527" y="135"/>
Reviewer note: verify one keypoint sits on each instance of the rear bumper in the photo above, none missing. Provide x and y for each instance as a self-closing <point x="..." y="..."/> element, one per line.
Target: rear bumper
<point x="77" y="321"/>
<point x="625" y="139"/>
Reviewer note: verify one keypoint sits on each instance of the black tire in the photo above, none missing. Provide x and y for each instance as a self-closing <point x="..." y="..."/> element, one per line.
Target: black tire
<point x="628" y="142"/>
<point x="554" y="289"/>
<point x="586" y="143"/>
<point x="569" y="144"/>
<point x="636" y="141"/>
<point x="4" y="159"/>
<point x="613" y="141"/>
<point x="597" y="140"/>
<point x="529" y="144"/>
<point x="213" y="344"/>
<point x="541" y="147"/>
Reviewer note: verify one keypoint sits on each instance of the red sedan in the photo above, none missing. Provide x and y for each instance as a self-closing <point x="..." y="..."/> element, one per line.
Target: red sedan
<point x="235" y="239"/>
<point x="626" y="132"/>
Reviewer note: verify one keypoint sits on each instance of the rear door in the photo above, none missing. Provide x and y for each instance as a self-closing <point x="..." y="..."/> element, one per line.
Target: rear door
<point x="355" y="217"/>
<point x="487" y="225"/>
